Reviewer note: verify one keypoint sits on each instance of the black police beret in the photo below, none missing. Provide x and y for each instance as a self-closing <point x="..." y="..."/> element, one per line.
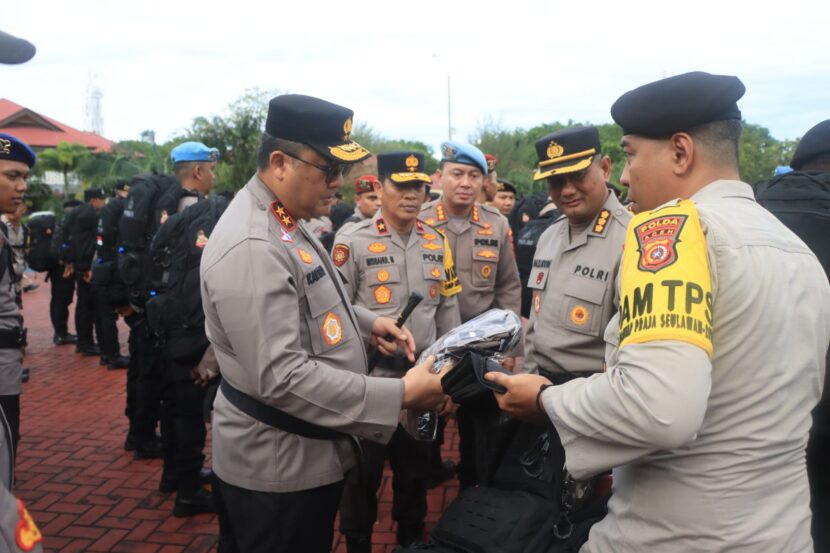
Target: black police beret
<point x="505" y="186"/>
<point x="679" y="103"/>
<point x="94" y="194"/>
<point x="403" y="167"/>
<point x="566" y="151"/>
<point x="15" y="50"/>
<point x="815" y="143"/>
<point x="72" y="203"/>
<point x="13" y="149"/>
<point x="323" y="126"/>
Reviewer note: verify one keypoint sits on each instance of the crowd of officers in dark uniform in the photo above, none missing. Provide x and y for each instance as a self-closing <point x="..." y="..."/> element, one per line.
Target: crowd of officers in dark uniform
<point x="557" y="262"/>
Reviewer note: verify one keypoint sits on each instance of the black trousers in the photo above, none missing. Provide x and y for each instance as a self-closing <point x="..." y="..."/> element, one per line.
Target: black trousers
<point x="61" y="296"/>
<point x="182" y="430"/>
<point x="818" y="461"/>
<point x="87" y="313"/>
<point x="291" y="522"/>
<point x="108" y="335"/>
<point x="144" y="381"/>
<point x="409" y="459"/>
<point x="467" y="470"/>
<point x="11" y="407"/>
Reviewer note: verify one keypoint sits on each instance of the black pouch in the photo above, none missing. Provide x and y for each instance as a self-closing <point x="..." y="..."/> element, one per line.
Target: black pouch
<point x="465" y="381"/>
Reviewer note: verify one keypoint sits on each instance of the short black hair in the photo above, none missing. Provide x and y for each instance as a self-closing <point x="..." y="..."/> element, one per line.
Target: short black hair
<point x="270" y="144"/>
<point x="721" y="140"/>
<point x="818" y="163"/>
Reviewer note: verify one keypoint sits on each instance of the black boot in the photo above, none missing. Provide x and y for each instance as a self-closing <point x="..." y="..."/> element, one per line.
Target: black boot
<point x="64" y="339"/>
<point x="201" y="501"/>
<point x="358" y="545"/>
<point x="407" y="534"/>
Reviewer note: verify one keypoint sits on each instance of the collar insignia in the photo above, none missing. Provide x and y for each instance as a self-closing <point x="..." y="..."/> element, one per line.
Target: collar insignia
<point x="381" y="226"/>
<point x="283" y="217"/>
<point x="602" y="221"/>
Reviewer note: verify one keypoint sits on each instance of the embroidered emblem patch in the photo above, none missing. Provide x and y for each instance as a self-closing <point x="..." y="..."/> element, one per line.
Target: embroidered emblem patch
<point x="579" y="315"/>
<point x="485" y="232"/>
<point x="347" y="129"/>
<point x="433" y="291"/>
<point x="377" y="247"/>
<point x="486" y="271"/>
<point x="657" y="242"/>
<point x="554" y="150"/>
<point x="475" y="216"/>
<point x="486" y="254"/>
<point x="539" y="277"/>
<point x="332" y="329"/>
<point x="383" y="275"/>
<point x="602" y="220"/>
<point x="340" y="254"/>
<point x="201" y="239"/>
<point x="411" y="164"/>
<point x="537" y="301"/>
<point x="380" y="224"/>
<point x="430" y="236"/>
<point x="27" y="534"/>
<point x="285" y="237"/>
<point x="431" y="246"/>
<point x="283" y="217"/>
<point x="436" y="272"/>
<point x="383" y="294"/>
<point x="305" y="257"/>
<point x="430" y="221"/>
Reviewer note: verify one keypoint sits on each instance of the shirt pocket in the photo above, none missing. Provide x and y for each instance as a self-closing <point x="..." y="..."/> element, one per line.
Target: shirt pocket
<point x="433" y="276"/>
<point x="384" y="285"/>
<point x="485" y="262"/>
<point x="583" y="306"/>
<point x="327" y="319"/>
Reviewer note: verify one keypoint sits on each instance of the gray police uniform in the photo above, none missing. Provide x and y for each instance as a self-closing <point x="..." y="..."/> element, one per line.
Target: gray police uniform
<point x="18" y="532"/>
<point x="11" y="356"/>
<point x="708" y="454"/>
<point x="482" y="247"/>
<point x="380" y="270"/>
<point x="285" y="333"/>
<point x="574" y="293"/>
<point x="354" y="219"/>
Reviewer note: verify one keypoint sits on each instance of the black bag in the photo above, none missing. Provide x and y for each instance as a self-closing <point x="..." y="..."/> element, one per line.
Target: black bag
<point x="39" y="254"/>
<point x="175" y="305"/>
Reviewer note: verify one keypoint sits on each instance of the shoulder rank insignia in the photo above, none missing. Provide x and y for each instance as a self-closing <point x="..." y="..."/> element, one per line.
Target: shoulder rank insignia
<point x="332" y="329"/>
<point x="381" y="226"/>
<point x="305" y="257"/>
<point x="475" y="215"/>
<point x="602" y="220"/>
<point x="283" y="217"/>
<point x="340" y="254"/>
<point x="377" y="247"/>
<point x="439" y="212"/>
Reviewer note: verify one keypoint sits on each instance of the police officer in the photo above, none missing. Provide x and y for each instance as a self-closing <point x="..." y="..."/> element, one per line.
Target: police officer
<point x="289" y="343"/>
<point x="489" y="184"/>
<point x="108" y="290"/>
<point x="574" y="271"/>
<point x="717" y="355"/>
<point x="79" y="232"/>
<point x="801" y="200"/>
<point x="482" y="250"/>
<point x="16" y="159"/>
<point x="366" y="200"/>
<point x="18" y="532"/>
<point x="505" y="197"/>
<point x="382" y="260"/>
<point x="62" y="288"/>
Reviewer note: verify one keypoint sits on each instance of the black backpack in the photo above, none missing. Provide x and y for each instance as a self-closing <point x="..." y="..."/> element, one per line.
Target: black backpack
<point x="175" y="305"/>
<point x="105" y="278"/>
<point x="152" y="199"/>
<point x="39" y="255"/>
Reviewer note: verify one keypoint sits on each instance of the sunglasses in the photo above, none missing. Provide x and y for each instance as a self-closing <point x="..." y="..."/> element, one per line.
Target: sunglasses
<point x="331" y="171"/>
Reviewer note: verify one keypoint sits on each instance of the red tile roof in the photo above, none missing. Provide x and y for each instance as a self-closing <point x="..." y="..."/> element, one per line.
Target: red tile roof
<point x="39" y="131"/>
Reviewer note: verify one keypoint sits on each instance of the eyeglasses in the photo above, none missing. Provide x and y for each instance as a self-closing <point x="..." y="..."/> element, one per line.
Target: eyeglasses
<point x="331" y="171"/>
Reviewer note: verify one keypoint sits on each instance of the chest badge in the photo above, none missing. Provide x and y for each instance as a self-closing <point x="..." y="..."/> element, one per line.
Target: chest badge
<point x="430" y="236"/>
<point x="540" y="277"/>
<point x="485" y="232"/>
<point x="305" y="257"/>
<point x="377" y="247"/>
<point x="383" y="294"/>
<point x="436" y="272"/>
<point x="486" y="254"/>
<point x="579" y="315"/>
<point x="433" y="291"/>
<point x="340" y="254"/>
<point x="431" y="246"/>
<point x="430" y="221"/>
<point x="332" y="329"/>
<point x="486" y="271"/>
<point x="383" y="275"/>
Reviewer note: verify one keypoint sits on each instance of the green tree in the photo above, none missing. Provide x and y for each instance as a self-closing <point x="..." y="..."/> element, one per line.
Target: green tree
<point x="760" y="153"/>
<point x="66" y="158"/>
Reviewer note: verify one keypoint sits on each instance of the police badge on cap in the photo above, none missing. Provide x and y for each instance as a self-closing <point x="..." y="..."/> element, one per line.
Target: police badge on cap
<point x="403" y="167"/>
<point x="566" y="151"/>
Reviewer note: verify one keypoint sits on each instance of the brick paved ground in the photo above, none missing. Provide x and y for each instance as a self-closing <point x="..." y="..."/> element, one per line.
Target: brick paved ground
<point x="85" y="492"/>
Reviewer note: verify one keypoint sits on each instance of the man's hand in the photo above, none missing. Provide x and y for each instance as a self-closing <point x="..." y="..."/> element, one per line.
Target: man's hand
<point x="125" y="310"/>
<point x="422" y="387"/>
<point x="520" y="399"/>
<point x="207" y="369"/>
<point x="68" y="271"/>
<point x="509" y="363"/>
<point x="403" y="338"/>
<point x="88" y="276"/>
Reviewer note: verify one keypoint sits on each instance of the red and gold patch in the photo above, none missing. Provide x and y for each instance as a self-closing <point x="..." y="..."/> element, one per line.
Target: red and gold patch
<point x="383" y="275"/>
<point x="540" y="277"/>
<point x="433" y="291"/>
<point x="380" y="224"/>
<point x="486" y="271"/>
<point x="383" y="294"/>
<point x="332" y="329"/>
<point x="27" y="534"/>
<point x="377" y="247"/>
<point x="657" y="241"/>
<point x="537" y="301"/>
<point x="305" y="257"/>
<point x="283" y="217"/>
<point x="579" y="315"/>
<point x="431" y="246"/>
<point x="340" y="254"/>
<point x="436" y="272"/>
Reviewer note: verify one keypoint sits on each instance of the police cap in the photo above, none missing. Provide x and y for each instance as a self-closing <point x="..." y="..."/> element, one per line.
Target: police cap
<point x="505" y="186"/>
<point x="566" y="151"/>
<point x="12" y="149"/>
<point x="321" y="125"/>
<point x="464" y="153"/>
<point x="403" y="167"/>
<point x="814" y="144"/>
<point x="679" y="103"/>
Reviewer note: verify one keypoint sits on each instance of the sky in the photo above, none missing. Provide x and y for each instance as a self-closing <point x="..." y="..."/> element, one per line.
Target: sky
<point x="511" y="63"/>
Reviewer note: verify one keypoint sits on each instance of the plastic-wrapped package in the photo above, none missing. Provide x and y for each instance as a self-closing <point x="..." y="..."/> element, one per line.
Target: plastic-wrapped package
<point x="473" y="349"/>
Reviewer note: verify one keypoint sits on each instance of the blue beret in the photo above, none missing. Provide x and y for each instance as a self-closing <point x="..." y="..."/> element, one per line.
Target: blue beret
<point x="813" y="144"/>
<point x="461" y="152"/>
<point x="193" y="151"/>
<point x="677" y="104"/>
<point x="12" y="149"/>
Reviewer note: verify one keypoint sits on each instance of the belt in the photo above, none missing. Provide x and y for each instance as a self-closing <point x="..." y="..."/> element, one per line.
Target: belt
<point x="275" y="417"/>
